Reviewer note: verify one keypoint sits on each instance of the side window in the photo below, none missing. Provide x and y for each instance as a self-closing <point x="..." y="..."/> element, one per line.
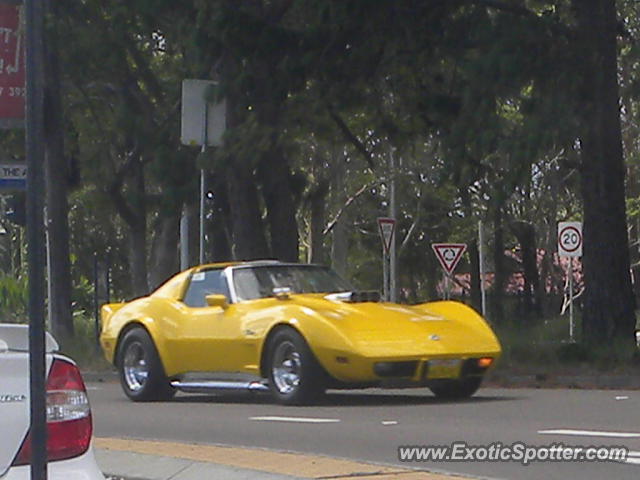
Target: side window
<point x="203" y="284"/>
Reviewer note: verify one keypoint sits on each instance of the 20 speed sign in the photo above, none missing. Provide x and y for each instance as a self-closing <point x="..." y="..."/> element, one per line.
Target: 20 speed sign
<point x="570" y="239"/>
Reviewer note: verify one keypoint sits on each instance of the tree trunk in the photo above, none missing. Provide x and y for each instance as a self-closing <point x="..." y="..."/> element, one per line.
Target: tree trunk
<point x="526" y="234"/>
<point x="164" y="253"/>
<point x="500" y="278"/>
<point x="220" y="227"/>
<point x="249" y="242"/>
<point x="138" y="259"/>
<point x="474" y="254"/>
<point x="281" y="207"/>
<point x="138" y="233"/>
<point x="317" y="203"/>
<point x="340" y="232"/>
<point x="247" y="229"/>
<point x="608" y="299"/>
<point x="57" y="178"/>
<point x="476" y="293"/>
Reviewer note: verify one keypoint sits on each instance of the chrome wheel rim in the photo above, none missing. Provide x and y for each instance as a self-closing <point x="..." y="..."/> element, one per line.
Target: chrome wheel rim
<point x="134" y="367"/>
<point x="286" y="367"/>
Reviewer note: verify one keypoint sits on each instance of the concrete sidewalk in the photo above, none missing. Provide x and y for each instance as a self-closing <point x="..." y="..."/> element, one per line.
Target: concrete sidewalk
<point x="138" y="466"/>
<point x="130" y="459"/>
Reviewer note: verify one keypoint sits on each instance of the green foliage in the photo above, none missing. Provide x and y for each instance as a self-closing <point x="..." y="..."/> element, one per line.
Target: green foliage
<point x="13" y="298"/>
<point x="479" y="104"/>
<point x="84" y="348"/>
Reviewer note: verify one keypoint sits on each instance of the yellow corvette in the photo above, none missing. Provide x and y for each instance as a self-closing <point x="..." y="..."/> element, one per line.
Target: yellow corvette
<point x="292" y="329"/>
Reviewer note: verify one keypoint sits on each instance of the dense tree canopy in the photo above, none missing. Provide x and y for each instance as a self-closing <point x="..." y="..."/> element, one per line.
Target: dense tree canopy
<point x="516" y="113"/>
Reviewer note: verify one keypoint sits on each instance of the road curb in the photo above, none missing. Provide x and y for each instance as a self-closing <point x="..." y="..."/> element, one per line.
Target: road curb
<point x="587" y="382"/>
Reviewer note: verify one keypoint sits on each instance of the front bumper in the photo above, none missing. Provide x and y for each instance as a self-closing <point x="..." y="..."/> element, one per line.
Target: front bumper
<point x="417" y="370"/>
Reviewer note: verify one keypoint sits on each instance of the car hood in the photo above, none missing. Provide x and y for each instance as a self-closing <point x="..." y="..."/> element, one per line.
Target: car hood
<point x="384" y="329"/>
<point x="14" y="390"/>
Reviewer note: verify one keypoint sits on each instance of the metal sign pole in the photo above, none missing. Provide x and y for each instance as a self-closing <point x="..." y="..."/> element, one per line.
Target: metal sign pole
<point x="483" y="293"/>
<point x="34" y="13"/>
<point x="202" y="194"/>
<point x="571" y="325"/>
<point x="184" y="239"/>
<point x="570" y="245"/>
<point x="447" y="286"/>
<point x="385" y="275"/>
<point x="393" y="264"/>
<point x="205" y="126"/>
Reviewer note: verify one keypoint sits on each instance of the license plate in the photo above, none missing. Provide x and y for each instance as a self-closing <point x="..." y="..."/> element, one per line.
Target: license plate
<point x="444" y="368"/>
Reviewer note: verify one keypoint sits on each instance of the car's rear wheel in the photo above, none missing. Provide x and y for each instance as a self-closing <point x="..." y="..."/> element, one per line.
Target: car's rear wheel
<point x="455" y="389"/>
<point x="295" y="376"/>
<point x="141" y="372"/>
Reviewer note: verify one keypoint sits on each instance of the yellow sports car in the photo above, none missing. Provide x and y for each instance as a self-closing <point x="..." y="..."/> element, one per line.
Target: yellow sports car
<point x="292" y="329"/>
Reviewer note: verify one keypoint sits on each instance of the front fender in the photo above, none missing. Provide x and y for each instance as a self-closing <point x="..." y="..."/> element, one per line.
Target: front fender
<point x="465" y="315"/>
<point x="323" y="335"/>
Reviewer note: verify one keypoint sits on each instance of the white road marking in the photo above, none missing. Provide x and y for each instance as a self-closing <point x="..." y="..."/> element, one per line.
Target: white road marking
<point x="389" y="422"/>
<point x="633" y="456"/>
<point x="93" y="388"/>
<point x="622" y="397"/>
<point x="590" y="433"/>
<point x="295" y="419"/>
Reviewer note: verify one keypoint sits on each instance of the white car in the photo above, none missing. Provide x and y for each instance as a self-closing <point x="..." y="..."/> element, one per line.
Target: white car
<point x="69" y="423"/>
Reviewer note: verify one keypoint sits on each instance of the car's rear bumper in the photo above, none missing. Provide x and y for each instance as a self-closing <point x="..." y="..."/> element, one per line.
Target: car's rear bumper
<point x="83" y="467"/>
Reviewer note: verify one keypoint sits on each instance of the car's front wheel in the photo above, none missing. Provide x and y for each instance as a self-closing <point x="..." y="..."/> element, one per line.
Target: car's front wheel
<point x="141" y="372"/>
<point x="295" y="376"/>
<point x="455" y="389"/>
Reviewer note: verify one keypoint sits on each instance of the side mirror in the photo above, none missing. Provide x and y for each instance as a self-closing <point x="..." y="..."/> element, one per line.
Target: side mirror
<point x="217" y="300"/>
<point x="282" y="293"/>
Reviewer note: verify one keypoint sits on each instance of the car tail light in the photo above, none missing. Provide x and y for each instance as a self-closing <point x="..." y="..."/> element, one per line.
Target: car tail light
<point x="69" y="424"/>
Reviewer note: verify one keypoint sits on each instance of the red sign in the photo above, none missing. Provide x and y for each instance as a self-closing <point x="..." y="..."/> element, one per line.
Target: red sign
<point x="449" y="254"/>
<point x="12" y="71"/>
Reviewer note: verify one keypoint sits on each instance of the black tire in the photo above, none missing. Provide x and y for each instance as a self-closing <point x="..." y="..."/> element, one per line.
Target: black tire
<point x="141" y="372"/>
<point x="295" y="376"/>
<point x="455" y="389"/>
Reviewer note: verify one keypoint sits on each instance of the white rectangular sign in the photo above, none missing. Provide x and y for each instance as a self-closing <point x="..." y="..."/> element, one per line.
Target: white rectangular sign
<point x="199" y="111"/>
<point x="570" y="239"/>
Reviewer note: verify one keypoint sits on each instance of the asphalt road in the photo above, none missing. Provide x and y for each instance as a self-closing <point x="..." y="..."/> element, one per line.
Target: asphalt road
<point x="371" y="425"/>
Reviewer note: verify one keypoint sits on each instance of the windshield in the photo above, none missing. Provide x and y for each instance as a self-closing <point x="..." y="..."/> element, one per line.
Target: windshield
<point x="259" y="282"/>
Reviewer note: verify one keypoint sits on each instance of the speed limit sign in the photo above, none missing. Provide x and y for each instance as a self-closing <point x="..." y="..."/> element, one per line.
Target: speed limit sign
<point x="570" y="239"/>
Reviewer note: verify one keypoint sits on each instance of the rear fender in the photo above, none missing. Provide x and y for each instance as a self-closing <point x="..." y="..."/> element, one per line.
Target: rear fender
<point x="147" y="324"/>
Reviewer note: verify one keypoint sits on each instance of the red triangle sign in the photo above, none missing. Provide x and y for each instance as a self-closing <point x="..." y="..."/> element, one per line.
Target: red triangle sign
<point x="387" y="228"/>
<point x="449" y="254"/>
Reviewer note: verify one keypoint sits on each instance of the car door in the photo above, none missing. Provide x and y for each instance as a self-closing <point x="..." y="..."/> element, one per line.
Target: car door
<point x="207" y="338"/>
